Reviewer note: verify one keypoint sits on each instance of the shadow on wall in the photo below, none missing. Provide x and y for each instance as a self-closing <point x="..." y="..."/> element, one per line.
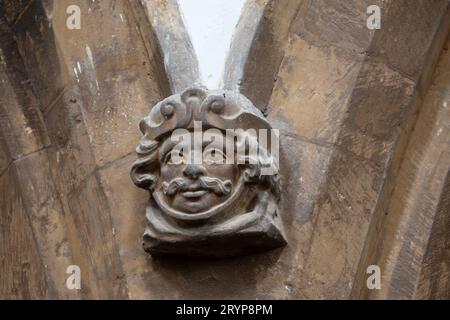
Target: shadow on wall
<point x="235" y="278"/>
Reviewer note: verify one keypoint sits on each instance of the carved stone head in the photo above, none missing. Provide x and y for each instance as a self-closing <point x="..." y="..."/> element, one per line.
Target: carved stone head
<point x="207" y="159"/>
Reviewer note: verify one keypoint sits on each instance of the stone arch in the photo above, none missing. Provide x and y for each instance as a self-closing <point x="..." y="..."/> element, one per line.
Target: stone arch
<point x="362" y="101"/>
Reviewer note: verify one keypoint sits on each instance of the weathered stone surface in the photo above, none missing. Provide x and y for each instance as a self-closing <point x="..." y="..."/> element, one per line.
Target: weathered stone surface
<point x="434" y="280"/>
<point x="103" y="275"/>
<point x="244" y="40"/>
<point x="179" y="58"/>
<point x="25" y="140"/>
<point x="364" y="146"/>
<point x="43" y="207"/>
<point x="382" y="94"/>
<point x="110" y="113"/>
<point x="342" y="214"/>
<point x="5" y="159"/>
<point x="312" y="87"/>
<point x="356" y="106"/>
<point x="20" y="121"/>
<point x="341" y="24"/>
<point x="127" y="204"/>
<point x="303" y="168"/>
<point x="412" y="33"/>
<point x="11" y="10"/>
<point x="106" y="63"/>
<point x="22" y="274"/>
<point x="36" y="43"/>
<point x="72" y="158"/>
<point x="260" y="39"/>
<point x="415" y="208"/>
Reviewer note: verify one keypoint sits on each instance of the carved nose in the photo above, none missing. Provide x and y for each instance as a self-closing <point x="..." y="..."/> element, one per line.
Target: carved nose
<point x="193" y="171"/>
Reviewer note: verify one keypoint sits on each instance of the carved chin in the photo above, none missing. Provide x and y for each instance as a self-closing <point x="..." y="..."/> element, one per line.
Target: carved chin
<point x="192" y="207"/>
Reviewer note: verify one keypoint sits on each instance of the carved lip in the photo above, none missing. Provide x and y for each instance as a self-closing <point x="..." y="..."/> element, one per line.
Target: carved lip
<point x="159" y="198"/>
<point x="194" y="194"/>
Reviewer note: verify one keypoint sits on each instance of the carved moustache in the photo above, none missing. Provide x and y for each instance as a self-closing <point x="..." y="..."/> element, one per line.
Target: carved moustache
<point x="215" y="185"/>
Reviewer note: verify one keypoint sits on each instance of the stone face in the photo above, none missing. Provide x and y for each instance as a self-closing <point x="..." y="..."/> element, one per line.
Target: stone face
<point x="212" y="202"/>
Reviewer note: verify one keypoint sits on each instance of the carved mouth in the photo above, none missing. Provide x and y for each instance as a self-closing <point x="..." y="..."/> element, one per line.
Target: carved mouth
<point x="194" y="194"/>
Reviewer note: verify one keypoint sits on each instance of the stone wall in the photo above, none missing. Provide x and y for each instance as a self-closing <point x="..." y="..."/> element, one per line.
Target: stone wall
<point x="364" y="123"/>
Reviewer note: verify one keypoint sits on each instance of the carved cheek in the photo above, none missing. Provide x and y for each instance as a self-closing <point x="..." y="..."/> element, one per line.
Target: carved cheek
<point x="165" y="172"/>
<point x="170" y="171"/>
<point x="222" y="171"/>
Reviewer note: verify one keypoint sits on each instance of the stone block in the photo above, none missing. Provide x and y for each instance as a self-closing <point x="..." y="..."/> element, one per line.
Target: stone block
<point x="89" y="210"/>
<point x="342" y="212"/>
<point x="378" y="109"/>
<point x="312" y="91"/>
<point x="326" y="24"/>
<point x="20" y="120"/>
<point x="21" y="275"/>
<point x="72" y="159"/>
<point x="5" y="159"/>
<point x="116" y="77"/>
<point x="47" y="219"/>
<point x="12" y="9"/>
<point x="37" y="45"/>
<point x="127" y="205"/>
<point x="407" y="33"/>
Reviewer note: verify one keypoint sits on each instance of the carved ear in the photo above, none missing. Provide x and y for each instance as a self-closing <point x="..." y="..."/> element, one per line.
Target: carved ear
<point x="142" y="171"/>
<point x="143" y="180"/>
<point x="252" y="174"/>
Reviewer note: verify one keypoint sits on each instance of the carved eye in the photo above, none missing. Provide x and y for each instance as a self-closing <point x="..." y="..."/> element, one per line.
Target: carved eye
<point x="214" y="156"/>
<point x="218" y="106"/>
<point x="175" y="157"/>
